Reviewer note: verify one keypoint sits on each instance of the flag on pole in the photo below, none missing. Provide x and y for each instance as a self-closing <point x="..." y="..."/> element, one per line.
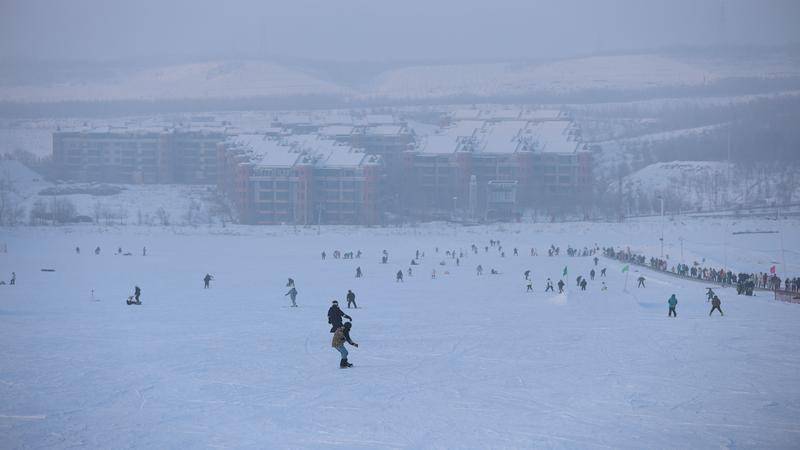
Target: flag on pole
<point x="565" y="271"/>
<point x="625" y="269"/>
<point x="772" y="270"/>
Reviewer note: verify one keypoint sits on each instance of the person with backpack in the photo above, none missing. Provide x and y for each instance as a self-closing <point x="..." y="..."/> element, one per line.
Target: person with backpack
<point x="340" y="336"/>
<point x="351" y="299"/>
<point x="715" y="304"/>
<point x="673" y="302"/>
<point x="335" y="316"/>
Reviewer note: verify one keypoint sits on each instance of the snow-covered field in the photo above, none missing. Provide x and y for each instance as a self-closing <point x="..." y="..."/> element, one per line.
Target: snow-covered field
<point x="459" y="361"/>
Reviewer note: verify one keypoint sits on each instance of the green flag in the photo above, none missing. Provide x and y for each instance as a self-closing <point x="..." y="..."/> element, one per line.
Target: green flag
<point x="565" y="271"/>
<point x="625" y="269"/>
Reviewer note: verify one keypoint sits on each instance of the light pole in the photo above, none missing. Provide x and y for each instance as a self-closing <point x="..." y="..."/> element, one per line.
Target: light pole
<point x="662" y="226"/>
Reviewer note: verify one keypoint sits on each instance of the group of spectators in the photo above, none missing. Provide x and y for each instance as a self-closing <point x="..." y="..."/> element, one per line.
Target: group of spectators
<point x="745" y="282"/>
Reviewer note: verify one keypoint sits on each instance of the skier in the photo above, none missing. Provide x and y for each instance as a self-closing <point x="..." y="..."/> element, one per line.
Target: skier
<point x="715" y="303"/>
<point x="604" y="287"/>
<point x="530" y="286"/>
<point x="13" y="279"/>
<point x="335" y="316"/>
<point x="603" y="272"/>
<point x="409" y="271"/>
<point x="119" y="250"/>
<point x="641" y="282"/>
<point x="78" y="250"/>
<point x="560" y="286"/>
<point x="399" y="276"/>
<point x="527" y="274"/>
<point x="709" y="294"/>
<point x="583" y="284"/>
<point x="207" y="280"/>
<point x="340" y="336"/>
<point x="323" y="256"/>
<point x="292" y="295"/>
<point x="359" y="274"/>
<point x="578" y="281"/>
<point x="136" y="293"/>
<point x="595" y="260"/>
<point x="351" y="299"/>
<point x="479" y="269"/>
<point x="97" y="250"/>
<point x="591" y="274"/>
<point x="290" y="283"/>
<point x="516" y="252"/>
<point x="673" y="302"/>
<point x="549" y="285"/>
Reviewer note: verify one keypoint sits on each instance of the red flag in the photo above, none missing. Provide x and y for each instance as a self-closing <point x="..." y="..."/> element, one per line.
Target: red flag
<point x="772" y="270"/>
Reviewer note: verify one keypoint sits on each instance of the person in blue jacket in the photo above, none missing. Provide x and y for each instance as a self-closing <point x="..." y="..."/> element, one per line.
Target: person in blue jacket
<point x="673" y="302"/>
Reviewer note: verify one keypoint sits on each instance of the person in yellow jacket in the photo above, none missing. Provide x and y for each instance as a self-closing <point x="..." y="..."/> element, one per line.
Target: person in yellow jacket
<point x="341" y="336"/>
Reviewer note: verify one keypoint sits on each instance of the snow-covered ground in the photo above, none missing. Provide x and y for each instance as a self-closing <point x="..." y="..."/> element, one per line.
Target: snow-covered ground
<point x="459" y="361"/>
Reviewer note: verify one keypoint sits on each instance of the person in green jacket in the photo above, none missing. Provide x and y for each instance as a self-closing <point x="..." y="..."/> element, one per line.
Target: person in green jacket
<point x="673" y="302"/>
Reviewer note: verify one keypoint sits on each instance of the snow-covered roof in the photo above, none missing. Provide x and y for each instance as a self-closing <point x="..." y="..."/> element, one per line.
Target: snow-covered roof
<point x="552" y="137"/>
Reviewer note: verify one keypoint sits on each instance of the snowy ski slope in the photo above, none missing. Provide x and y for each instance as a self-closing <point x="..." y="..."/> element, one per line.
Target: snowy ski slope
<point x="459" y="361"/>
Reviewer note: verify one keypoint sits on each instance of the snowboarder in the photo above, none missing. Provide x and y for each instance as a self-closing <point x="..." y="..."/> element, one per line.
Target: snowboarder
<point x="13" y="279"/>
<point x="335" y="316"/>
<point x="351" y="299"/>
<point x="359" y="274"/>
<point x="560" y="286"/>
<point x="530" y="286"/>
<point x="548" y="285"/>
<point x="603" y="272"/>
<point x="715" y="304"/>
<point x="583" y="284"/>
<point x="591" y="274"/>
<point x="207" y="281"/>
<point x="292" y="295"/>
<point x="399" y="276"/>
<point x="641" y="282"/>
<point x="340" y="336"/>
<point x="673" y="302"/>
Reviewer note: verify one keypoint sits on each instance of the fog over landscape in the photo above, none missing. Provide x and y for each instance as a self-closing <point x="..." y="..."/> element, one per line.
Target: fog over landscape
<point x="523" y="218"/>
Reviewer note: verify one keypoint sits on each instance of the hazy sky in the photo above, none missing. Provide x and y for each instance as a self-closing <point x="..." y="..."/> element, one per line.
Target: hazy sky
<point x="381" y="30"/>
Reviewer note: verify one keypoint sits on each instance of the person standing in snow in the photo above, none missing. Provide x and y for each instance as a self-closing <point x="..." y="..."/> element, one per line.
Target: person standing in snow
<point x="529" y="287"/>
<point x="715" y="304"/>
<point x="78" y="250"/>
<point x="527" y="274"/>
<point x="709" y="294"/>
<point x="560" y="286"/>
<point x="207" y="281"/>
<point x="604" y="287"/>
<point x="548" y="285"/>
<point x="97" y="250"/>
<point x="335" y="316"/>
<point x="351" y="299"/>
<point x="479" y="270"/>
<point x="603" y="272"/>
<point x="13" y="278"/>
<point x="136" y="293"/>
<point x="578" y="281"/>
<point x="641" y="282"/>
<point x="340" y="336"/>
<point x="144" y="251"/>
<point x="399" y="276"/>
<point x="673" y="302"/>
<point x="359" y="274"/>
<point x="323" y="255"/>
<point x="591" y="274"/>
<point x="583" y="284"/>
<point x="290" y="282"/>
<point x="292" y="295"/>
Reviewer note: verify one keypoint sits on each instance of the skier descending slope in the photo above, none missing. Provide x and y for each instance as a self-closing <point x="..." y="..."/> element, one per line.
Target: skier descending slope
<point x="335" y="316"/>
<point x="341" y="336"/>
<point x="292" y="295"/>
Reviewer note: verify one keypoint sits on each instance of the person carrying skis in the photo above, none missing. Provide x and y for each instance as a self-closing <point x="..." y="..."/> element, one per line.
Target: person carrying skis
<point x="549" y="285"/>
<point x="340" y="336"/>
<point x="715" y="304"/>
<point x="560" y="286"/>
<point x="673" y="302"/>
<point x="641" y="282"/>
<point x="207" y="280"/>
<point x="292" y="295"/>
<point x="351" y="299"/>
<point x="335" y="316"/>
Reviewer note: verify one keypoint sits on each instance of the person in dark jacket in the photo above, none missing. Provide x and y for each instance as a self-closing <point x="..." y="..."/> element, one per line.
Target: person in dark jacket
<point x="583" y="284"/>
<point x="641" y="282"/>
<point x="399" y="276"/>
<point x="207" y="281"/>
<point x="673" y="302"/>
<point x="560" y="286"/>
<point x="548" y="286"/>
<point x="335" y="316"/>
<point x="715" y="304"/>
<point x="342" y="335"/>
<point x="351" y="299"/>
<point x="292" y="296"/>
